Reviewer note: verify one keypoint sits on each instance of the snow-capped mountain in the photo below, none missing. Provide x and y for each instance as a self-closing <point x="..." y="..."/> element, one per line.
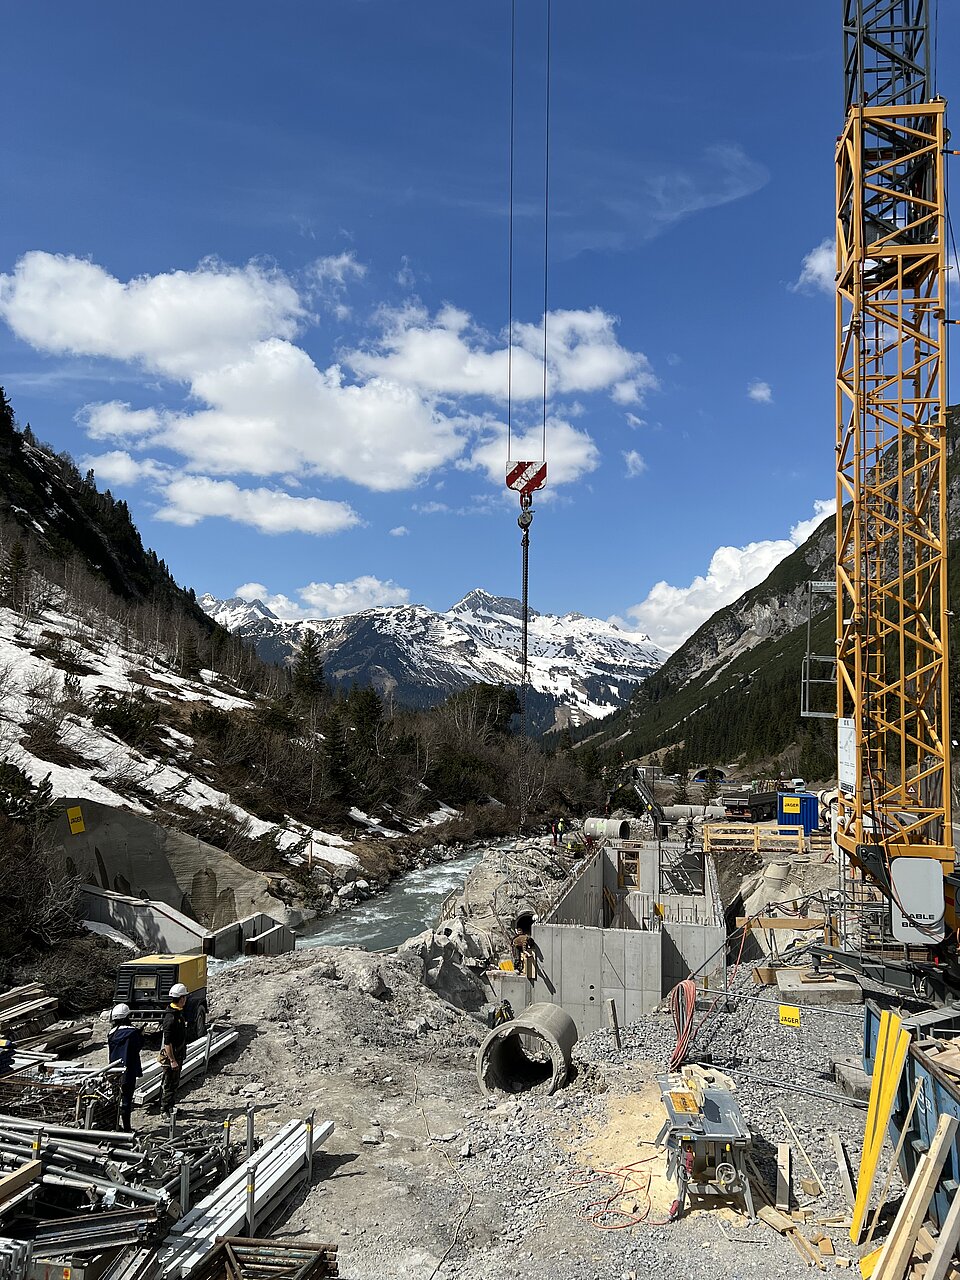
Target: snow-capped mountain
<point x="579" y="668"/>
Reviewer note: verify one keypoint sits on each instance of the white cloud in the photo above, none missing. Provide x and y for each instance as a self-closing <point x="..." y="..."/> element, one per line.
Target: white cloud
<point x="225" y="333"/>
<point x="761" y="392"/>
<point x="447" y="356"/>
<point x="328" y="279"/>
<point x="634" y="421"/>
<point x="406" y="278"/>
<point x="636" y="466"/>
<point x="338" y="268"/>
<point x="570" y="453"/>
<point x="818" y="270"/>
<point x="670" y="614"/>
<point x="190" y="499"/>
<point x="326" y="599"/>
<point x="259" y="406"/>
<point x="174" y="324"/>
<point x="400" y="531"/>
<point x="119" y="467"/>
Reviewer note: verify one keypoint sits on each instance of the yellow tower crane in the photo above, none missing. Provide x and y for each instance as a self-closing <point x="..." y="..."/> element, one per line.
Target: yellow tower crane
<point x="894" y="811"/>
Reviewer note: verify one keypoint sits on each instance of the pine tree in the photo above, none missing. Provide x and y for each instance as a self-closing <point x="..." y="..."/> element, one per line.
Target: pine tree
<point x="15" y="577"/>
<point x="308" y="682"/>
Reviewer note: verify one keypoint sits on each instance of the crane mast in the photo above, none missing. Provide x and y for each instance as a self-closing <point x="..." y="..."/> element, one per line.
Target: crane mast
<point x="894" y="813"/>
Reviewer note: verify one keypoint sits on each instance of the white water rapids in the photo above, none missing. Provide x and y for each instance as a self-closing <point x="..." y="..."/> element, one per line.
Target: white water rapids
<point x="406" y="908"/>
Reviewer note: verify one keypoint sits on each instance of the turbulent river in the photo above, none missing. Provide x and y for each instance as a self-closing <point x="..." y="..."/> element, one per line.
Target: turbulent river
<point x="409" y="906"/>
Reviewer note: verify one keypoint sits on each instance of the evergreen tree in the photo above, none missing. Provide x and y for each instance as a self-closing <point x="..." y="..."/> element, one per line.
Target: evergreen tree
<point x="15" y="577"/>
<point x="308" y="682"/>
<point x="190" y="661"/>
<point x="681" y="793"/>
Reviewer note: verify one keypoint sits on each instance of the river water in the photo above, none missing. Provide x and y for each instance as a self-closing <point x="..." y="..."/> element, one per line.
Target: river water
<point x="407" y="907"/>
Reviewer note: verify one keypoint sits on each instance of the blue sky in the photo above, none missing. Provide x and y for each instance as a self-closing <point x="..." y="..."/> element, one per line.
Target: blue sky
<point x="253" y="266"/>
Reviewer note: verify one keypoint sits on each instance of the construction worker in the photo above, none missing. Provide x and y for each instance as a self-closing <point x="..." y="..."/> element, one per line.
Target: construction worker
<point x="124" y="1044"/>
<point x="8" y="1049"/>
<point x="174" y="1046"/>
<point x="561" y="829"/>
<point x="521" y="948"/>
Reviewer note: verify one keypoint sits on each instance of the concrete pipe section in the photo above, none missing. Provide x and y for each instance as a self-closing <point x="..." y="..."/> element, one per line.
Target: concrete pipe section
<point x="607" y="828"/>
<point x="531" y="1054"/>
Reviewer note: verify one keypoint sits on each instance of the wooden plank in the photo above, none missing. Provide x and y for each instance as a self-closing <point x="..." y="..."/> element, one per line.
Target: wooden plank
<point x="947" y="1242"/>
<point x="774" y="1218"/>
<point x="800" y="1147"/>
<point x="843" y="1167"/>
<point x="18" y="995"/>
<point x="907" y="1224"/>
<point x="783" y="1176"/>
<point x="11" y="1183"/>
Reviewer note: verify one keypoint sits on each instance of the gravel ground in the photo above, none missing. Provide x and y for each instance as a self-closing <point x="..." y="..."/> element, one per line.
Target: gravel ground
<point x="426" y="1178"/>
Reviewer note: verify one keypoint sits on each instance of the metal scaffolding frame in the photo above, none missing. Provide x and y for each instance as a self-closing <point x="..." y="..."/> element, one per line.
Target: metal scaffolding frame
<point x="892" y="670"/>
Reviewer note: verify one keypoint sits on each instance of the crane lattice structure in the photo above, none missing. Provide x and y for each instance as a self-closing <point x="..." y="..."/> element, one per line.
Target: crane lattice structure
<point x="892" y="672"/>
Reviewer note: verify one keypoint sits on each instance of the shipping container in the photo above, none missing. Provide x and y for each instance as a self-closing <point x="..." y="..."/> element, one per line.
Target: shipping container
<point x="799" y="809"/>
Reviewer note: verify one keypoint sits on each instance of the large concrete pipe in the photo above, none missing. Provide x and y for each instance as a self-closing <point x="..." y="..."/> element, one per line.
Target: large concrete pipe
<point x="531" y="1054"/>
<point x="674" y="812"/>
<point x="607" y="828"/>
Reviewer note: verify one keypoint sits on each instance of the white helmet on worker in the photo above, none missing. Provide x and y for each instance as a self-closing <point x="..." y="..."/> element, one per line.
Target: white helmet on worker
<point x="119" y="1012"/>
<point x="178" y="991"/>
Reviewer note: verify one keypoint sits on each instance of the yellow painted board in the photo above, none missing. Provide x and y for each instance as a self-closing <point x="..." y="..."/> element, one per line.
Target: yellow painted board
<point x="790" y="1015"/>
<point x="75" y="818"/>
<point x="892" y="1046"/>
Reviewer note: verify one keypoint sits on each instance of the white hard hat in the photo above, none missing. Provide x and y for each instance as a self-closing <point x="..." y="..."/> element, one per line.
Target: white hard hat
<point x="178" y="990"/>
<point x="120" y="1011"/>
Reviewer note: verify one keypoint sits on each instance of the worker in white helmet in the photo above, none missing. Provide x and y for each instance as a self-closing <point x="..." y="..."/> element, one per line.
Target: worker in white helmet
<point x="174" y="1045"/>
<point x="124" y="1044"/>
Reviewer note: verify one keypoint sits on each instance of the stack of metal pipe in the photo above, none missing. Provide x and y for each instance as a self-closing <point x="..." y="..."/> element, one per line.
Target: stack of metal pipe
<point x="245" y="1199"/>
<point x="199" y="1053"/>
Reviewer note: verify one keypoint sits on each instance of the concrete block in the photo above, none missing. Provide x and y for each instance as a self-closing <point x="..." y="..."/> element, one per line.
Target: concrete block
<point x="843" y="990"/>
<point x="852" y="1079"/>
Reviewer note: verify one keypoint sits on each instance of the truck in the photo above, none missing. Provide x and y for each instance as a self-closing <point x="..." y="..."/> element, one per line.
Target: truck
<point x="755" y="803"/>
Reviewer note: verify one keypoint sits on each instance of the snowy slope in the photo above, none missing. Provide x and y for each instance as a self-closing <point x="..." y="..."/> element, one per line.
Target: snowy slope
<point x="52" y="668"/>
<point x="579" y="668"/>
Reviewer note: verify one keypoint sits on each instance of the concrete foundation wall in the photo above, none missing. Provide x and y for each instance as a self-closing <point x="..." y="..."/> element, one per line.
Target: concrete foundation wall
<point x="130" y="854"/>
<point x="582" y="903"/>
<point x="151" y="925"/>
<point x="233" y="940"/>
<point x="581" y="965"/>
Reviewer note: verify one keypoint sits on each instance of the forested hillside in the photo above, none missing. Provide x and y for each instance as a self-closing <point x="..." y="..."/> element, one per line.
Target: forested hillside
<point x="731" y="692"/>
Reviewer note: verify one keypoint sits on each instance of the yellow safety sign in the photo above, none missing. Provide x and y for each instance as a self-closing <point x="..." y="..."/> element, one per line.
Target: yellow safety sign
<point x="791" y="804"/>
<point x="75" y="818"/>
<point x="790" y="1015"/>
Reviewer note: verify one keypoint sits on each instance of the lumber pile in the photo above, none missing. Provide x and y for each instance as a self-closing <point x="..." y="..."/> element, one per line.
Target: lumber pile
<point x="28" y="1016"/>
<point x="26" y="1011"/>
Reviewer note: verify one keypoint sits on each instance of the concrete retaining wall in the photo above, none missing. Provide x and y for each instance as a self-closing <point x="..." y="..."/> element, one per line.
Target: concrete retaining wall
<point x="153" y="926"/>
<point x="130" y="854"/>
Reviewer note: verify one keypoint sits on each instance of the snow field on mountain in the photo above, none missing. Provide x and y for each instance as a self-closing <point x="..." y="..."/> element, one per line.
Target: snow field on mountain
<point x="111" y="769"/>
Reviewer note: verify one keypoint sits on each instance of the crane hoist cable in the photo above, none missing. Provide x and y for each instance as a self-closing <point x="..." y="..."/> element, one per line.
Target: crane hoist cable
<point x="526" y="476"/>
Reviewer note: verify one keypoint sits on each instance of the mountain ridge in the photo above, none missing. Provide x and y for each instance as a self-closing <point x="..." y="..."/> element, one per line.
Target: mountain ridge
<point x="579" y="668"/>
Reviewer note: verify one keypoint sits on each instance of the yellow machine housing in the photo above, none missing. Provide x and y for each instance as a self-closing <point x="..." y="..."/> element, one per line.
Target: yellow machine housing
<point x="144" y="984"/>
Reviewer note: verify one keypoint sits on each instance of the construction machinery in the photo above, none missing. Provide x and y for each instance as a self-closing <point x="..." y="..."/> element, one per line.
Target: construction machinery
<point x="894" y="820"/>
<point x="144" y="984"/>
